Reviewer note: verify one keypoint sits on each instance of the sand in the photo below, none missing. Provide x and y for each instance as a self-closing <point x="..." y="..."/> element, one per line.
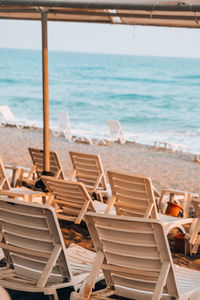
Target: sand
<point x="166" y="169"/>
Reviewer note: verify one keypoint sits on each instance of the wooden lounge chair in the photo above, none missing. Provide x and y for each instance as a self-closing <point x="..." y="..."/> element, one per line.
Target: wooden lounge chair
<point x="7" y="190"/>
<point x="135" y="257"/>
<point x="117" y="132"/>
<point x="35" y="254"/>
<point x="70" y="199"/>
<point x="88" y="169"/>
<point x="33" y="174"/>
<point x="7" y="118"/>
<point x="71" y="135"/>
<point x="37" y="156"/>
<point x="134" y="196"/>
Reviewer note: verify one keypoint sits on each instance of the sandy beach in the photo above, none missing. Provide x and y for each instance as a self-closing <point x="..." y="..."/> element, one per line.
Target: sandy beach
<point x="166" y="169"/>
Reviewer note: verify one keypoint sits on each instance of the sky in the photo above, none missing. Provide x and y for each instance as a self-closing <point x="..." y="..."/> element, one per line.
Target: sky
<point x="102" y="38"/>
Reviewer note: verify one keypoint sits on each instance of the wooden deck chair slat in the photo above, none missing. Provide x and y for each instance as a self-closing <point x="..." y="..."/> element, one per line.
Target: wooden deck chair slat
<point x="129" y="272"/>
<point x="124" y="205"/>
<point x="128" y="212"/>
<point x="87" y="173"/>
<point x="26" y="232"/>
<point x="131" y="250"/>
<point x="89" y="184"/>
<point x="65" y="204"/>
<point x="113" y="224"/>
<point x="137" y="186"/>
<point x="35" y="264"/>
<point x="25" y="221"/>
<point x="65" y="185"/>
<point x="84" y="158"/>
<point x="123" y="178"/>
<point x="35" y="213"/>
<point x="132" y="262"/>
<point x="131" y="199"/>
<point x="132" y="193"/>
<point x="64" y="195"/>
<point x="36" y="275"/>
<point x="86" y="164"/>
<point x="28" y="243"/>
<point x="37" y="259"/>
<point x="124" y="237"/>
<point x="68" y="193"/>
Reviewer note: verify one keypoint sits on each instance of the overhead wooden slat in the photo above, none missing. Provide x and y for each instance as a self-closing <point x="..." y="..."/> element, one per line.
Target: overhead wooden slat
<point x="113" y="12"/>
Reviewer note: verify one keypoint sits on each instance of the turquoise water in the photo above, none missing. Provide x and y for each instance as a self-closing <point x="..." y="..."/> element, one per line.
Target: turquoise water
<point x="155" y="96"/>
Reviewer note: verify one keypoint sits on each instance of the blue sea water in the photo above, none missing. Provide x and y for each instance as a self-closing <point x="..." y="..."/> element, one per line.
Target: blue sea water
<point x="158" y="97"/>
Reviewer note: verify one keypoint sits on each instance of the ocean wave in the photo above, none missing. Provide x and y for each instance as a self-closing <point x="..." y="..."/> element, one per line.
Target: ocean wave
<point x="190" y="77"/>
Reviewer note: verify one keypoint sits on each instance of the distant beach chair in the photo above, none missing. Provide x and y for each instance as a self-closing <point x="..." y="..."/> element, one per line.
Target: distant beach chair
<point x="88" y="169"/>
<point x="35" y="253"/>
<point x="117" y="132"/>
<point x="135" y="257"/>
<point x="8" y="118"/>
<point x="170" y="146"/>
<point x="71" y="135"/>
<point x="134" y="196"/>
<point x="7" y="190"/>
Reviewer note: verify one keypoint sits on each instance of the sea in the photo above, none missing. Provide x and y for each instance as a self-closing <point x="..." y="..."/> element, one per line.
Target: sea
<point x="157" y="97"/>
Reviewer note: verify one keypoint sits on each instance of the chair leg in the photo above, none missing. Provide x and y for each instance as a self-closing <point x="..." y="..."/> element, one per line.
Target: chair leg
<point x="53" y="296"/>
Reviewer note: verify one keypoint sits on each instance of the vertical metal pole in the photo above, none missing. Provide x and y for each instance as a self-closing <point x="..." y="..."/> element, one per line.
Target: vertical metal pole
<point x="46" y="141"/>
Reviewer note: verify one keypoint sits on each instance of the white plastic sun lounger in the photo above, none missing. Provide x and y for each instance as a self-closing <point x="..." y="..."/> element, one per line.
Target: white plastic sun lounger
<point x="7" y="118"/>
<point x="118" y="133"/>
<point x="35" y="253"/>
<point x="135" y="257"/>
<point x="64" y="127"/>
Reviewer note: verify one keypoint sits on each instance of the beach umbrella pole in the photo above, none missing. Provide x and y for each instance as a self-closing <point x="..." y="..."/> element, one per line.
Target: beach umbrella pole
<point x="46" y="138"/>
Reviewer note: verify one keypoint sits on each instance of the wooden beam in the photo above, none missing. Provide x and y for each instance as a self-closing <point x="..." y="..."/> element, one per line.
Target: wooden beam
<point x="45" y="75"/>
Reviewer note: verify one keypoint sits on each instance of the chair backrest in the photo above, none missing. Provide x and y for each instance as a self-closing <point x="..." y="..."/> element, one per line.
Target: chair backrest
<point x="37" y="156"/>
<point x="4" y="182"/>
<point x="71" y="198"/>
<point x="134" y="255"/>
<point x="115" y="128"/>
<point x="88" y="169"/>
<point x="32" y="242"/>
<point x="64" y="121"/>
<point x="132" y="195"/>
<point x="6" y="113"/>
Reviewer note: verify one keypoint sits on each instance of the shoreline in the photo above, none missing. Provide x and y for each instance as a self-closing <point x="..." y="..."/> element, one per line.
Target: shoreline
<point x="167" y="169"/>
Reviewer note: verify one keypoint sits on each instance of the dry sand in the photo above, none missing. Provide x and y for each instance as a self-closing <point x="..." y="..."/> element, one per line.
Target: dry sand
<point x="166" y="169"/>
